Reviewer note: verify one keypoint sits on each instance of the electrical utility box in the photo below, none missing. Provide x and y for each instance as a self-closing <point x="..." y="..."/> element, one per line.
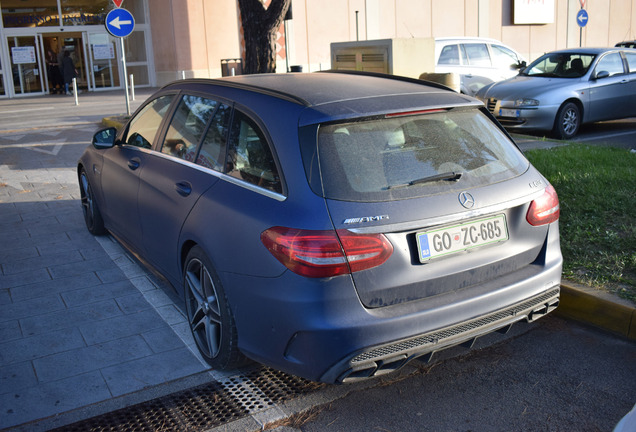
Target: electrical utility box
<point x="401" y="56"/>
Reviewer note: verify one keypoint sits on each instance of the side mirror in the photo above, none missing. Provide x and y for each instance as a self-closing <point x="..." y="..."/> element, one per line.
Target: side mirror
<point x="601" y="74"/>
<point x="520" y="65"/>
<point x="105" y="138"/>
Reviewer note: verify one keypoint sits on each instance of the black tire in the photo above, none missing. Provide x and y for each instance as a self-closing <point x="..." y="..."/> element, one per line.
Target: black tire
<point x="568" y="121"/>
<point x="209" y="313"/>
<point x="92" y="215"/>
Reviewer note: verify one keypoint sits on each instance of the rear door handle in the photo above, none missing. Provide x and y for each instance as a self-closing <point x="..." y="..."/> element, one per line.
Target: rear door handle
<point x="183" y="188"/>
<point x="134" y="163"/>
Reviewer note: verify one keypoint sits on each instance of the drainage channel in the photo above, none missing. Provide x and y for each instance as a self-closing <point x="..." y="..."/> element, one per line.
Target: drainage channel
<point x="203" y="407"/>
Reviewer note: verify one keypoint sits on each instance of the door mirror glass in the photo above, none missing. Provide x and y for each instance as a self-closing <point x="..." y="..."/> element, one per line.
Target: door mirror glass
<point x="105" y="138"/>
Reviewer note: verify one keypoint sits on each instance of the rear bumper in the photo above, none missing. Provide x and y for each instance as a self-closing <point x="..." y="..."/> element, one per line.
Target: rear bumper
<point x="319" y="329"/>
<point x="387" y="358"/>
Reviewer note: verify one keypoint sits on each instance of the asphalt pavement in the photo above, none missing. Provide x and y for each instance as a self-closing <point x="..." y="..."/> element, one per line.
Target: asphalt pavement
<point x="84" y="329"/>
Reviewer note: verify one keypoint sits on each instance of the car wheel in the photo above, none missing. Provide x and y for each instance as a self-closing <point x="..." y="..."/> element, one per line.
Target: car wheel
<point x="209" y="313"/>
<point x="92" y="215"/>
<point x="567" y="122"/>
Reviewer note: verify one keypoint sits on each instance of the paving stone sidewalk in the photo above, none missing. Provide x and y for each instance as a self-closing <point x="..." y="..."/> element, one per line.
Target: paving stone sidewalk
<point x="80" y="322"/>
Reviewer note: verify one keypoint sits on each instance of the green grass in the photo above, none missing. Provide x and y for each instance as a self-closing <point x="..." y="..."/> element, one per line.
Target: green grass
<point x="597" y="193"/>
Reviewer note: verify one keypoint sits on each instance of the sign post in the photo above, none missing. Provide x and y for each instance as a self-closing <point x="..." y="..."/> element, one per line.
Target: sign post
<point x="120" y="23"/>
<point x="581" y="19"/>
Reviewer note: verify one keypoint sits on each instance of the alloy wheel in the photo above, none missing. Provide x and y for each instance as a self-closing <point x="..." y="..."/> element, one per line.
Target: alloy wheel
<point x="203" y="308"/>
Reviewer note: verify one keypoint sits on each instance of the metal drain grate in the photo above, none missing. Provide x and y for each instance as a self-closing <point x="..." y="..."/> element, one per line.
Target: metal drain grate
<point x="201" y="407"/>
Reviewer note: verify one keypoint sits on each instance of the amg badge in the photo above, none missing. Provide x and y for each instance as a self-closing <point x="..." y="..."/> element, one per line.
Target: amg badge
<point x="365" y="219"/>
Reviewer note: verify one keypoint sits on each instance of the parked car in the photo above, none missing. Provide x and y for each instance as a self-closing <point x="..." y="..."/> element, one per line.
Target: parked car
<point x="563" y="89"/>
<point x="330" y="225"/>
<point x="478" y="61"/>
<point x="627" y="44"/>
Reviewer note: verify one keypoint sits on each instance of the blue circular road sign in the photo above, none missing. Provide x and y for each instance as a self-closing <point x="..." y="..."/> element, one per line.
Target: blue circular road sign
<point x="582" y="17"/>
<point x="120" y="22"/>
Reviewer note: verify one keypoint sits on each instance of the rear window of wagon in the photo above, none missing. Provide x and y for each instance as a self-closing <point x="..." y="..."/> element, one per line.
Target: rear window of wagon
<point x="398" y="157"/>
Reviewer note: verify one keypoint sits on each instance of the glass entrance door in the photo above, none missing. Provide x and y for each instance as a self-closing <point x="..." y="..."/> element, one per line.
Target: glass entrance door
<point x="73" y="44"/>
<point x="103" y="61"/>
<point x="26" y="64"/>
<point x="3" y="91"/>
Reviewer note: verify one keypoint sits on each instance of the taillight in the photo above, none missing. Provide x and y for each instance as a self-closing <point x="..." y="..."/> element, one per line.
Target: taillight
<point x="545" y="209"/>
<point x="326" y="253"/>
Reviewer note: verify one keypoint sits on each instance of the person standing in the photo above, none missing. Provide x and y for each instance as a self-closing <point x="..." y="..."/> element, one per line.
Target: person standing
<point x="68" y="71"/>
<point x="55" y="77"/>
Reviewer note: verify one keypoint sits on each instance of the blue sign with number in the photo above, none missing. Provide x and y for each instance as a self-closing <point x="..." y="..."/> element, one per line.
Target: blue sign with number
<point x="120" y="22"/>
<point x="582" y="17"/>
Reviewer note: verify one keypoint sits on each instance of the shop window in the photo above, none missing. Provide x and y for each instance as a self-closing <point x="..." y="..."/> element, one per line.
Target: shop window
<point x="139" y="73"/>
<point x="135" y="46"/>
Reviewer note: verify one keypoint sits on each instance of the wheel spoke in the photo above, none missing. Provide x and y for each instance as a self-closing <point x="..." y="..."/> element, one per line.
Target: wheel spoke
<point x="213" y="333"/>
<point x="87" y="198"/>
<point x="203" y="308"/>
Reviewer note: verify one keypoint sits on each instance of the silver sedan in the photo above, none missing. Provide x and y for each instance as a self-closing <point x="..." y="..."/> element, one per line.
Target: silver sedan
<point x="563" y="89"/>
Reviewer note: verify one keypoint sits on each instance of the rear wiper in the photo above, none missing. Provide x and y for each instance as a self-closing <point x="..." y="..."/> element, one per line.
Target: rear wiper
<point x="447" y="176"/>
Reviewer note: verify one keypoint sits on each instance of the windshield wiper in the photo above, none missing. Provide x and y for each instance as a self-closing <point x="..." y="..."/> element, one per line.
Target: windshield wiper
<point x="447" y="176"/>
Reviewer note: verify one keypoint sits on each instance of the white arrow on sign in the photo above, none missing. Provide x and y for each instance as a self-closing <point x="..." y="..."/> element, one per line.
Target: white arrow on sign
<point x="582" y="19"/>
<point x="118" y="23"/>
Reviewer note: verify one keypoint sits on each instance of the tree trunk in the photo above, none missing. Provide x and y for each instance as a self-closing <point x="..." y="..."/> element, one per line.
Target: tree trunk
<point x="259" y="32"/>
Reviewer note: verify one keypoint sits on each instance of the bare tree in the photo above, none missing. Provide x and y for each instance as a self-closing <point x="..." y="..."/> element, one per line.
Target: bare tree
<point x="260" y="24"/>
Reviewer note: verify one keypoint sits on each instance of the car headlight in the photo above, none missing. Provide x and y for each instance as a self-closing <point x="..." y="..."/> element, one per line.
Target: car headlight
<point x="526" y="102"/>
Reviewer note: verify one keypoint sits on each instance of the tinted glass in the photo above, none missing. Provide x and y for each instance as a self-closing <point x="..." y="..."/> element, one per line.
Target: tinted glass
<point x="631" y="61"/>
<point x="612" y="63"/>
<point x="477" y="54"/>
<point x="393" y="158"/>
<point x="213" y="148"/>
<point x="188" y="126"/>
<point x="502" y="57"/>
<point x="249" y="156"/>
<point x="560" y="65"/>
<point x="449" y="55"/>
<point x="143" y="127"/>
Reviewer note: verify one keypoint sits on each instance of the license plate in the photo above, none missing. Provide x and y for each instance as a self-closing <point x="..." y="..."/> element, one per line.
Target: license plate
<point x="449" y="240"/>
<point x="503" y="112"/>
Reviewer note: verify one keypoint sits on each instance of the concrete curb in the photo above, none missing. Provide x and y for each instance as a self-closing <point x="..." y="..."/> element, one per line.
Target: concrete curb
<point x="599" y="309"/>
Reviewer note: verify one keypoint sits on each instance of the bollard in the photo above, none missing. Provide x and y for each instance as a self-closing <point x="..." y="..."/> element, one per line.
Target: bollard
<point x="132" y="87"/>
<point x="75" y="91"/>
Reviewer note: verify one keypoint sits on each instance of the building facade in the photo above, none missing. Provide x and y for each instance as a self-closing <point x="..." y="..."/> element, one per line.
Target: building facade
<point x="173" y="39"/>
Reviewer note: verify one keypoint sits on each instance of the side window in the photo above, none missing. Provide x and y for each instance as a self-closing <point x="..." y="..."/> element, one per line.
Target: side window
<point x="213" y="148"/>
<point x="631" y="61"/>
<point x="249" y="157"/>
<point x="477" y="54"/>
<point x="502" y="57"/>
<point x="188" y="126"/>
<point x="612" y="63"/>
<point x="449" y="55"/>
<point x="143" y="127"/>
